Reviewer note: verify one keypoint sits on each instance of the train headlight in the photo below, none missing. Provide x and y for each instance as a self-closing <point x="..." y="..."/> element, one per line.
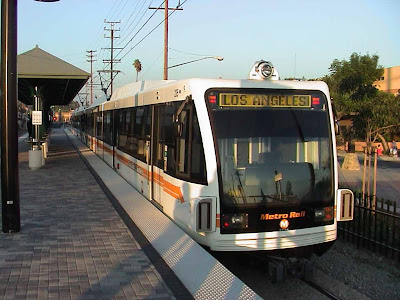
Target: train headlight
<point x="235" y="221"/>
<point x="263" y="70"/>
<point x="324" y="214"/>
<point x="266" y="69"/>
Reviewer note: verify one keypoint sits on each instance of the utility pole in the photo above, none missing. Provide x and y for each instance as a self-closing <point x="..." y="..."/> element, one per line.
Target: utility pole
<point x="91" y="60"/>
<point x="11" y="220"/>
<point x="166" y="9"/>
<point x="111" y="61"/>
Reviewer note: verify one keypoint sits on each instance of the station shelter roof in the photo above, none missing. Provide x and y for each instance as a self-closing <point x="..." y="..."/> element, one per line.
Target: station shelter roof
<point x="58" y="81"/>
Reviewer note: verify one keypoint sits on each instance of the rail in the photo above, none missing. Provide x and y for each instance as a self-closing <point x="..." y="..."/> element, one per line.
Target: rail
<point x="375" y="229"/>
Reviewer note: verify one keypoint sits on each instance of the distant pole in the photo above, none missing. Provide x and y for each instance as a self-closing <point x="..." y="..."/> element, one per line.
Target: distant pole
<point x="374" y="186"/>
<point x="364" y="173"/>
<point x="166" y="10"/>
<point x="9" y="134"/>
<point x="369" y="176"/>
<point x="166" y="40"/>
<point x="91" y="60"/>
<point x="112" y="60"/>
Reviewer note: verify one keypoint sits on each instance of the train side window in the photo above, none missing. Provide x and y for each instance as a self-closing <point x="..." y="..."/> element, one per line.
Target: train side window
<point x="183" y="145"/>
<point x="169" y="133"/>
<point x="190" y="152"/>
<point x="97" y="117"/>
<point x="122" y="130"/>
<point x="158" y="138"/>
<point x="198" y="171"/>
<point x="131" y="145"/>
<point x="107" y="128"/>
<point x="90" y="124"/>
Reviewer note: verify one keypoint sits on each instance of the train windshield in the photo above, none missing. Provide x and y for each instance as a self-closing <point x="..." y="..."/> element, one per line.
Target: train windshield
<point x="274" y="148"/>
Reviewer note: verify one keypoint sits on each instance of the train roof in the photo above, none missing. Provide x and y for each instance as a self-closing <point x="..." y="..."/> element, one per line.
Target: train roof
<point x="132" y="89"/>
<point x="130" y="92"/>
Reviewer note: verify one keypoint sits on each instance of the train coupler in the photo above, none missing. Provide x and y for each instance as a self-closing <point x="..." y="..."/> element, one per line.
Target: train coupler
<point x="280" y="268"/>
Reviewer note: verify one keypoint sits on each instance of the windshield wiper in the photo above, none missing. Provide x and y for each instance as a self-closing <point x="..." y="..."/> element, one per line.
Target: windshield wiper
<point x="240" y="187"/>
<point x="299" y="129"/>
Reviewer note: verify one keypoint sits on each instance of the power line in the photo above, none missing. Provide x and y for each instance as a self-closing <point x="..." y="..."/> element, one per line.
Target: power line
<point x="99" y="33"/>
<point x="112" y="60"/>
<point x="107" y="63"/>
<point x="128" y="23"/>
<point x="141" y="27"/>
<point x="158" y="57"/>
<point x="158" y="25"/>
<point x="102" y="51"/>
<point x="187" y="52"/>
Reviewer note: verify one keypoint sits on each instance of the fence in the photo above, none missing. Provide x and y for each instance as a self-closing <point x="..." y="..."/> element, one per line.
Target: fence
<point x="376" y="229"/>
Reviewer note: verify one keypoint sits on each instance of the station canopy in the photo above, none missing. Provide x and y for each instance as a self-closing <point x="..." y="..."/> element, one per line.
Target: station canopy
<point x="58" y="81"/>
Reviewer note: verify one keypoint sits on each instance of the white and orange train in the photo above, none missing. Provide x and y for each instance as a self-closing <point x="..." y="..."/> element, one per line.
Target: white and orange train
<point x="240" y="165"/>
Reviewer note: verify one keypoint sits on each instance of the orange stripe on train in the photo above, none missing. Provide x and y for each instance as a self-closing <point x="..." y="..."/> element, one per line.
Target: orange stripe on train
<point x="169" y="188"/>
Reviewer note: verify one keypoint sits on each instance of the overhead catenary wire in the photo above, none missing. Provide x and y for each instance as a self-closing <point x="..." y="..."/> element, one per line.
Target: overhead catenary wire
<point x="98" y="37"/>
<point x="142" y="26"/>
<point x="187" y="52"/>
<point x="148" y="33"/>
<point x="158" y="57"/>
<point x="113" y="16"/>
<point x="142" y="10"/>
<point x="138" y="33"/>
<point x="101" y="54"/>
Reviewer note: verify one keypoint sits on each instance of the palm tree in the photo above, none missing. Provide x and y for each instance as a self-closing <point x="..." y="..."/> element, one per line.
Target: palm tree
<point x="138" y="66"/>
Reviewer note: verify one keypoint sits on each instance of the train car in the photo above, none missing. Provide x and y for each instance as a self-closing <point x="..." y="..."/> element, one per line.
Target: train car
<point x="239" y="165"/>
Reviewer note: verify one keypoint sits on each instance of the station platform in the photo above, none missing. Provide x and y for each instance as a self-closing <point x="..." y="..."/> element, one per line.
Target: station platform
<point x="80" y="240"/>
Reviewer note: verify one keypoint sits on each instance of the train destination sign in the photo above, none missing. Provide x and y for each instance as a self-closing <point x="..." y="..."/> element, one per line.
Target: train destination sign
<point x="256" y="100"/>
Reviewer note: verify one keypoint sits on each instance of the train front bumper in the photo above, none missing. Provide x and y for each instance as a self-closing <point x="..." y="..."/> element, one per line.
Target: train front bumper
<point x="273" y="240"/>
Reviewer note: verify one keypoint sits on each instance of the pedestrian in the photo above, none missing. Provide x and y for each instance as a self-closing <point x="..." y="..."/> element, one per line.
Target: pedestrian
<point x="29" y="126"/>
<point x="379" y="150"/>
<point x="393" y="150"/>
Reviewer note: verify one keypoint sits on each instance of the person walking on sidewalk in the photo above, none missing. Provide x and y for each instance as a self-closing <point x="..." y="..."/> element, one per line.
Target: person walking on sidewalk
<point x="29" y="126"/>
<point x="393" y="150"/>
<point x="379" y="150"/>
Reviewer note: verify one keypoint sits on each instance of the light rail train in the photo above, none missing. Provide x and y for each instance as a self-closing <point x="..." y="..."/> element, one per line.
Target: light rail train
<point x="239" y="165"/>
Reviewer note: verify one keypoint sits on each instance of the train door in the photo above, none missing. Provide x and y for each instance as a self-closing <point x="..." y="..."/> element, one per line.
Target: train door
<point x="98" y="147"/>
<point x="114" y="126"/>
<point x="156" y="170"/>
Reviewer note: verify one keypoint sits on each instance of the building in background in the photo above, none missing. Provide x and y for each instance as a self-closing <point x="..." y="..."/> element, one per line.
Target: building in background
<point x="390" y="81"/>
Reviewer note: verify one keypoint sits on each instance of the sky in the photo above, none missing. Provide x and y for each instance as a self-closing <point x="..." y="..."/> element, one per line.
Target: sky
<point x="300" y="38"/>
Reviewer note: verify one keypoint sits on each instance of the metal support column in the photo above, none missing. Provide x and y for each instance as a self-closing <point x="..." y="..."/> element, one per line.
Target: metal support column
<point x="9" y="132"/>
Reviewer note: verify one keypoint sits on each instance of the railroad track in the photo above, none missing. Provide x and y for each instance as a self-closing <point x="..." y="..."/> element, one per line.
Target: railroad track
<point x="321" y="290"/>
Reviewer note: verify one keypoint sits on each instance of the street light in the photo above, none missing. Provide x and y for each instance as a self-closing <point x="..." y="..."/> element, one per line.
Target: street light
<point x="188" y="62"/>
<point x="9" y="135"/>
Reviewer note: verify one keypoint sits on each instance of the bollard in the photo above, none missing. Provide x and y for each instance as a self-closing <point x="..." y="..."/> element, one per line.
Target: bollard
<point x="43" y="156"/>
<point x="35" y="159"/>
<point x="45" y="149"/>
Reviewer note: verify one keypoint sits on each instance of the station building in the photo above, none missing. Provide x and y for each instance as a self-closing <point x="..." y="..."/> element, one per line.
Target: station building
<point x="390" y="81"/>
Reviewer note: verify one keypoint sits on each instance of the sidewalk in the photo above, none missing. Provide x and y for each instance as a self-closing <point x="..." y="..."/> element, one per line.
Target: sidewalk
<point x="73" y="244"/>
<point x="388" y="176"/>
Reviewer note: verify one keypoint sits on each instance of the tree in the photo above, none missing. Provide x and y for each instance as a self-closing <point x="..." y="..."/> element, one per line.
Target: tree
<point x="373" y="112"/>
<point x="138" y="66"/>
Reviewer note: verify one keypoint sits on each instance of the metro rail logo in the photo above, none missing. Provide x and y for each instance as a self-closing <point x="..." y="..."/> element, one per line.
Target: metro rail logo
<point x="284" y="224"/>
<point x="291" y="215"/>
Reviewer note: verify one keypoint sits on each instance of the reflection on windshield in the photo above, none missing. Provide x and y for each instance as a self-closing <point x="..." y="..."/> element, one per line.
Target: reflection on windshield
<point x="274" y="157"/>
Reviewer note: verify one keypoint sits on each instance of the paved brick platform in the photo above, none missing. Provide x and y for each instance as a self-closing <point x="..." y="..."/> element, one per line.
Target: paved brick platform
<point x="73" y="244"/>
